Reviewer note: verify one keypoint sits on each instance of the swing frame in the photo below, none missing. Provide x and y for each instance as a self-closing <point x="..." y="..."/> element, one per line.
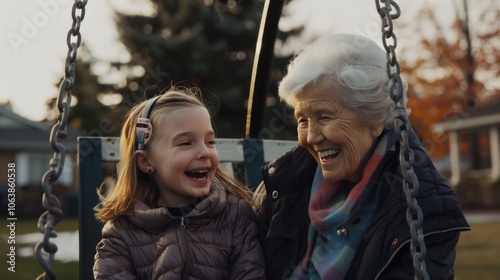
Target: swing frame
<point x="252" y="151"/>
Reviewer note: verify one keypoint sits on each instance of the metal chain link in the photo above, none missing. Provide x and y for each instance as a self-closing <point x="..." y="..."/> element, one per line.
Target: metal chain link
<point x="54" y="213"/>
<point x="414" y="215"/>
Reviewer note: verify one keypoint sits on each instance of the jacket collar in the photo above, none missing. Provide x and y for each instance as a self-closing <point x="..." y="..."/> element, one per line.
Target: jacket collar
<point x="156" y="220"/>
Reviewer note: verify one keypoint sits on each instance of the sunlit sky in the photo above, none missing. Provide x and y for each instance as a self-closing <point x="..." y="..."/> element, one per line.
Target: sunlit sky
<point x="33" y="38"/>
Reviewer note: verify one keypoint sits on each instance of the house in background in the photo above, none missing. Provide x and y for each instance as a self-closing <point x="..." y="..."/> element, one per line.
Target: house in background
<point x="26" y="143"/>
<point x="482" y="126"/>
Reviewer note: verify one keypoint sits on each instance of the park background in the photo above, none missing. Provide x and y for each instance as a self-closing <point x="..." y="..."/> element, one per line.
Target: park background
<point x="448" y="51"/>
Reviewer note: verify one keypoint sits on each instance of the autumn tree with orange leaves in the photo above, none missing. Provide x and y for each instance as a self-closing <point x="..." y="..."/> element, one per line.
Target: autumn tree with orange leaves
<point x="451" y="70"/>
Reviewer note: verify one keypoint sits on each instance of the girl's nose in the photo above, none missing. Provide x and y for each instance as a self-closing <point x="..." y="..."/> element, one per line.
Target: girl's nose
<point x="203" y="152"/>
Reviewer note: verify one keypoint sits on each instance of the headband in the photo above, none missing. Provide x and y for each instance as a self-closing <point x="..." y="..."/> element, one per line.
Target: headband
<point x="144" y="128"/>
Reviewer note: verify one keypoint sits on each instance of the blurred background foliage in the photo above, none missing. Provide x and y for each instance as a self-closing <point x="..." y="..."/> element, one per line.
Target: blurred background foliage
<point x="451" y="70"/>
<point x="208" y="44"/>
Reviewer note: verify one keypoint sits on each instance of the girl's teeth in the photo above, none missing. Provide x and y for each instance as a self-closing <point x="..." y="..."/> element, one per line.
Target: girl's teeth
<point x="197" y="174"/>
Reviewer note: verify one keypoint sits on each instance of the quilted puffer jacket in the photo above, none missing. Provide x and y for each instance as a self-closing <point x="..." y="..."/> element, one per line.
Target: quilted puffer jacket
<point x="216" y="240"/>
<point x="384" y="252"/>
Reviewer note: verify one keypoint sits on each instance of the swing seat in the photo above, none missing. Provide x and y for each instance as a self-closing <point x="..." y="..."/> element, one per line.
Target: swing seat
<point x="95" y="152"/>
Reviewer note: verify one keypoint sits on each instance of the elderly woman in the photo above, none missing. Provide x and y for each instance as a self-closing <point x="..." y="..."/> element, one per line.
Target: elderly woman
<point x="334" y="207"/>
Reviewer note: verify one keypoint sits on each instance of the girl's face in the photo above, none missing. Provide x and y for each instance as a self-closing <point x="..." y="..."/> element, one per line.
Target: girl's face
<point x="333" y="134"/>
<point x="183" y="156"/>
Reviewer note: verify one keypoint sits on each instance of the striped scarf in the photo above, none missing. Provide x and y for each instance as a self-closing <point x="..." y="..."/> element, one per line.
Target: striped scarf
<point x="339" y="220"/>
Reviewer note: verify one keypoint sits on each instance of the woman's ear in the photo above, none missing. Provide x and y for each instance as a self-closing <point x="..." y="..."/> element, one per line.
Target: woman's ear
<point x="142" y="161"/>
<point x="377" y="130"/>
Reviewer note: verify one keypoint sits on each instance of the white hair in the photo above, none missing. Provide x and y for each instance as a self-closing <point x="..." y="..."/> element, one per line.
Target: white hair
<point x="355" y="68"/>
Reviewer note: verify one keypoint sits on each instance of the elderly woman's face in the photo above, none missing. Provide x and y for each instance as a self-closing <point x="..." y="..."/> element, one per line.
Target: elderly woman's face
<point x="333" y="134"/>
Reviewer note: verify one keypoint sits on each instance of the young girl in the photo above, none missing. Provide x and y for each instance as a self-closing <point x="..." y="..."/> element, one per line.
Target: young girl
<point x="174" y="213"/>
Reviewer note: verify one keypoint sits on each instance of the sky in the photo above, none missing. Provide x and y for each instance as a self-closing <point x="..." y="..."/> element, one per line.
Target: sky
<point x="33" y="38"/>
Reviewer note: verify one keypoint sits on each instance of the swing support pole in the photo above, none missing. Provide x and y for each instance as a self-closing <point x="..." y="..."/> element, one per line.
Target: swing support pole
<point x="253" y="151"/>
<point x="264" y="53"/>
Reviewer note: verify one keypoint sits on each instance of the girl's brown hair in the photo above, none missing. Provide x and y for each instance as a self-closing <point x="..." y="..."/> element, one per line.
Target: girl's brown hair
<point x="134" y="185"/>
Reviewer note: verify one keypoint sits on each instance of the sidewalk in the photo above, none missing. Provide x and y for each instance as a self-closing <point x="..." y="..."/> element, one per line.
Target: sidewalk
<point x="482" y="216"/>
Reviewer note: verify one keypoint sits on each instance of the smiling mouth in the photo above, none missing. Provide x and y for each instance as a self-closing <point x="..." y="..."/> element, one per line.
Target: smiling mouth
<point x="199" y="174"/>
<point x="328" y="154"/>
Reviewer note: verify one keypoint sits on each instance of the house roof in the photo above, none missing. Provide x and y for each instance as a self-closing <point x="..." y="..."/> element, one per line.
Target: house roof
<point x="19" y="133"/>
<point x="10" y="119"/>
<point x="487" y="115"/>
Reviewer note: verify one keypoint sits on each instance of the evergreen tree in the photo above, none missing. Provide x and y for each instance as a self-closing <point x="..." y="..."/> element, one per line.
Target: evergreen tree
<point x="205" y="43"/>
<point x="90" y="116"/>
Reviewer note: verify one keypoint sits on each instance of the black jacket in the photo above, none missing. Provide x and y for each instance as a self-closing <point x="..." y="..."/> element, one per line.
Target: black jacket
<point x="384" y="252"/>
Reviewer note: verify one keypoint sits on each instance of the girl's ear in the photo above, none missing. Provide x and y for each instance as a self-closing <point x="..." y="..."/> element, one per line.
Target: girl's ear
<point x="142" y="161"/>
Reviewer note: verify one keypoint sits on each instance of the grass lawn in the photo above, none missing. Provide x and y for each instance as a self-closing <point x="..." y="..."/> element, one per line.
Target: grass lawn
<point x="478" y="254"/>
<point x="28" y="267"/>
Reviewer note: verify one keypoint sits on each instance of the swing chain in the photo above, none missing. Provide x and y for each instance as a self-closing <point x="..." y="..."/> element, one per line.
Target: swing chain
<point x="414" y="215"/>
<point x="54" y="213"/>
